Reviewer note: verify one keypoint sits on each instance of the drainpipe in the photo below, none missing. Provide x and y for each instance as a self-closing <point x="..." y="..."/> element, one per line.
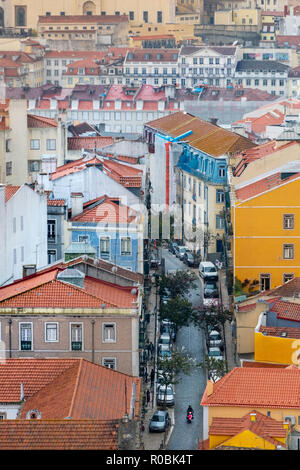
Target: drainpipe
<point x="93" y="340"/>
<point x="9" y="333"/>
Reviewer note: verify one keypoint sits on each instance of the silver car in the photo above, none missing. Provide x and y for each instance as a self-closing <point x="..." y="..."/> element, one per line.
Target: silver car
<point x="215" y="353"/>
<point x="160" y="421"/>
<point x="165" y="395"/>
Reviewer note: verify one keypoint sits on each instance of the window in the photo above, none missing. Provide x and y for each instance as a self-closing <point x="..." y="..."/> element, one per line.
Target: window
<point x="76" y="337"/>
<point x="288" y="221"/>
<point x="109" y="332"/>
<point x="34" y="144"/>
<point x="51" y="231"/>
<point x="199" y="189"/>
<point x="14" y="224"/>
<point x="287" y="277"/>
<point x="22" y="222"/>
<point x="159" y="17"/>
<point x="222" y="172"/>
<point x="51" y="256"/>
<point x="51" y="144"/>
<point x="51" y="332"/>
<point x="20" y="15"/>
<point x="104" y="248"/>
<point x="265" y="281"/>
<point x="220" y="197"/>
<point x="145" y="16"/>
<point x="131" y="15"/>
<point x="109" y="362"/>
<point x="288" y="251"/>
<point x="126" y="246"/>
<point x="219" y="222"/>
<point x="33" y="165"/>
<point x="25" y="336"/>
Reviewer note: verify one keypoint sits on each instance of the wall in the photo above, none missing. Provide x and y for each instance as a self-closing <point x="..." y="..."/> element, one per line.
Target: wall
<point x="125" y="349"/>
<point x="276" y="349"/>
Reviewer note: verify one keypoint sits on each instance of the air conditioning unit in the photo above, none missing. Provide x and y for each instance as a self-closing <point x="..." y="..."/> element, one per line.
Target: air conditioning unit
<point x="291" y="419"/>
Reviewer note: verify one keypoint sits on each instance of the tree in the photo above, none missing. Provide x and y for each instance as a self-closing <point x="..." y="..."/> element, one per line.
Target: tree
<point x="211" y="316"/>
<point x="170" y="368"/>
<point x="178" y="310"/>
<point x="215" y="368"/>
<point x="178" y="284"/>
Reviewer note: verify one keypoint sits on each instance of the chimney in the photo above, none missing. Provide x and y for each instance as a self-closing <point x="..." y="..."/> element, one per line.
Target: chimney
<point x="253" y="417"/>
<point x="209" y="388"/>
<point x="127" y="434"/>
<point x="76" y="204"/>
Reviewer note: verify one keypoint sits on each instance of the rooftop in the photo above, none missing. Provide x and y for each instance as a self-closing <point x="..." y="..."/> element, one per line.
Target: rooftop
<point x="256" y="388"/>
<point x="106" y="210"/>
<point x="58" y="435"/>
<point x="84" y="19"/>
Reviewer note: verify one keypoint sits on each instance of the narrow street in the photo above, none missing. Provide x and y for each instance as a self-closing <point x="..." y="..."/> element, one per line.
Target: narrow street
<point x="191" y="387"/>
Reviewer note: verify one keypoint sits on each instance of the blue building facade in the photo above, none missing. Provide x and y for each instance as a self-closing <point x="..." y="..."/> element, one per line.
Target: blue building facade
<point x="118" y="244"/>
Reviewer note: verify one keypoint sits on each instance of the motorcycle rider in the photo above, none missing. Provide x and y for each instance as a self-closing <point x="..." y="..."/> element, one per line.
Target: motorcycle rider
<point x="190" y="413"/>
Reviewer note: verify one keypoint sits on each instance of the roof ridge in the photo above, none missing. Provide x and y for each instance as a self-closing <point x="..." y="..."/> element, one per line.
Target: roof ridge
<point x="30" y="288"/>
<point x="76" y="387"/>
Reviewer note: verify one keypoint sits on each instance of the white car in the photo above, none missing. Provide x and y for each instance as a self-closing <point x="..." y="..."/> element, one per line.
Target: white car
<point x="214" y="338"/>
<point x="165" y="395"/>
<point x="215" y="353"/>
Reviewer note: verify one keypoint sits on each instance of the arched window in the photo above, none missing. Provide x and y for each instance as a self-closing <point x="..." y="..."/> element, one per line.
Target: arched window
<point x="20" y="16"/>
<point x="89" y="8"/>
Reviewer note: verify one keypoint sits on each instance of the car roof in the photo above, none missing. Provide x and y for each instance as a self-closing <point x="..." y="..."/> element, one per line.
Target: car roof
<point x="160" y="412"/>
<point x="207" y="263"/>
<point x="214" y="332"/>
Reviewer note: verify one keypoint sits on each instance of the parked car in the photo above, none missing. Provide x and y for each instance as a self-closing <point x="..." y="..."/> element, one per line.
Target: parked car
<point x="165" y="339"/>
<point x="160" y="421"/>
<point x="208" y="271"/>
<point x="164" y="354"/>
<point x="176" y="250"/>
<point x="214" y="338"/>
<point x="165" y="395"/>
<point x="210" y="294"/>
<point x="181" y="252"/>
<point x="172" y="247"/>
<point x="154" y="261"/>
<point x="169" y="328"/>
<point x="165" y="296"/>
<point x="215" y="353"/>
<point x="189" y="259"/>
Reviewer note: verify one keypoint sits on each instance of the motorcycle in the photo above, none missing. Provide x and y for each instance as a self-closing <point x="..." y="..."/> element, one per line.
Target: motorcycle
<point x="189" y="417"/>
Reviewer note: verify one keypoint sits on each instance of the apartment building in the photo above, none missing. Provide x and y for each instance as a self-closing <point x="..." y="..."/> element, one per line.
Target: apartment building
<point x="213" y="65"/>
<point x="83" y="31"/>
<point x="266" y="75"/>
<point x="155" y="67"/>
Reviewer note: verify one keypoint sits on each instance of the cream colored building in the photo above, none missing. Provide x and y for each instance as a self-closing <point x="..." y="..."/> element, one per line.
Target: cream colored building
<point x="16" y="14"/>
<point x="239" y="17"/>
<point x="27" y="139"/>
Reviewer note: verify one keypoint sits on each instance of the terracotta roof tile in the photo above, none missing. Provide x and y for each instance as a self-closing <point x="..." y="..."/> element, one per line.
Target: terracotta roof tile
<point x="78" y="143"/>
<point x="58" y="435"/>
<point x="40" y="121"/>
<point x="265" y="184"/>
<point x="263" y="426"/>
<point x="283" y="332"/>
<point x="286" y="310"/>
<point x="10" y="190"/>
<point x="255" y="388"/>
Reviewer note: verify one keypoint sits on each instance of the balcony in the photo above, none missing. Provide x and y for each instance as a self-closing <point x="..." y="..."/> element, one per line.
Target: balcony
<point x="76" y="345"/>
<point x="25" y="345"/>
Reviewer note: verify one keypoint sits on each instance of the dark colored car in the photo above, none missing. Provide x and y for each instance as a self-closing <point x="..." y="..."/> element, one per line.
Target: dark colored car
<point x="189" y="259"/>
<point x="160" y="421"/>
<point x="172" y="247"/>
<point x="211" y="290"/>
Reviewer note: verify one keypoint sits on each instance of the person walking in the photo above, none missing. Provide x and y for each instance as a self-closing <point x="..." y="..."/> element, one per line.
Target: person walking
<point x="152" y="377"/>
<point x="146" y="375"/>
<point x="148" y="396"/>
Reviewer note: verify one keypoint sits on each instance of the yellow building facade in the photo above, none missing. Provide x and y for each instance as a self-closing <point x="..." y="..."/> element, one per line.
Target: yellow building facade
<point x="276" y="349"/>
<point x="16" y="14"/>
<point x="266" y="236"/>
<point x="239" y="17"/>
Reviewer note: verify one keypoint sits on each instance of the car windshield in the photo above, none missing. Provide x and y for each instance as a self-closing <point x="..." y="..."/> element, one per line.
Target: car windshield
<point x="164" y="340"/>
<point x="210" y="270"/>
<point x="210" y="286"/>
<point x="215" y="353"/>
<point x="158" y="418"/>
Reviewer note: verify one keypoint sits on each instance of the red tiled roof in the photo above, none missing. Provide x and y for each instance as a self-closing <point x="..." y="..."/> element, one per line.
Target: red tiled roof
<point x="291" y="40"/>
<point x="152" y="55"/>
<point x="106" y="210"/>
<point x="89" y="143"/>
<point x="58" y="435"/>
<point x="283" y="332"/>
<point x="263" y="426"/>
<point x="34" y="374"/>
<point x="257" y="388"/>
<point x="290" y="288"/>
<point x="260" y="365"/>
<point x="286" y="310"/>
<point x="27" y="283"/>
<point x="40" y="121"/>
<point x="56" y="202"/>
<point x="265" y="184"/>
<point x="10" y="190"/>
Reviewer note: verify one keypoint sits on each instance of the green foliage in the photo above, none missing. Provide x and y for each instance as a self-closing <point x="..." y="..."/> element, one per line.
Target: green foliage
<point x="178" y="310"/>
<point x="179" y="362"/>
<point x="238" y="287"/>
<point x="215" y="368"/>
<point x="178" y="283"/>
